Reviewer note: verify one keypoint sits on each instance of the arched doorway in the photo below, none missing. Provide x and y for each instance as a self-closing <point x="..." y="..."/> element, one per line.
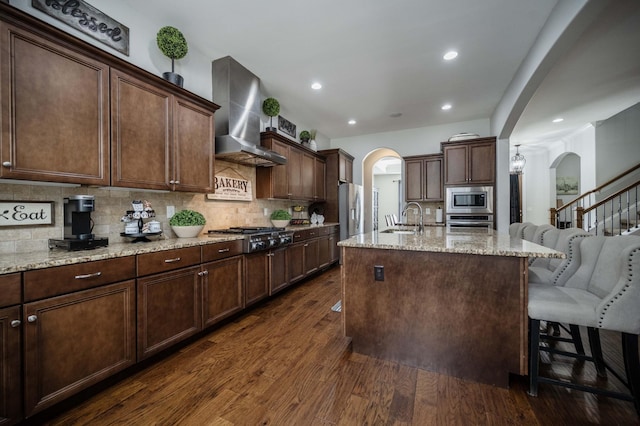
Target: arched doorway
<point x="368" y="165"/>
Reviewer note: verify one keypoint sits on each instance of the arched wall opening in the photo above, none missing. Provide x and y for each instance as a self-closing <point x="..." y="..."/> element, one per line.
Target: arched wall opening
<point x="368" y="163"/>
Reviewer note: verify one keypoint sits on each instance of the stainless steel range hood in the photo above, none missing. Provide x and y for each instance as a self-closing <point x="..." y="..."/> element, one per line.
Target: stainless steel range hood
<point x="237" y="91"/>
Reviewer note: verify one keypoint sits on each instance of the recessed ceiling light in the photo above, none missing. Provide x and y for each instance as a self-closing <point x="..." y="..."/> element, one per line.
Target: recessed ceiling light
<point x="452" y="54"/>
<point x="316" y="86"/>
<point x="395" y="114"/>
<point x="352" y="122"/>
<point x="446" y="107"/>
<point x="558" y="120"/>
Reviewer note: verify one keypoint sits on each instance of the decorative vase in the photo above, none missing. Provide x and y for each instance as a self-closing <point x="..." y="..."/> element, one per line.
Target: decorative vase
<point x="312" y="145"/>
<point x="174" y="78"/>
<point x="187" y="231"/>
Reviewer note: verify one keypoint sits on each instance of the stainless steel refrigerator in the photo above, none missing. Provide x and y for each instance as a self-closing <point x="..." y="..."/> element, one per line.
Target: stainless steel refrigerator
<point x="350" y="210"/>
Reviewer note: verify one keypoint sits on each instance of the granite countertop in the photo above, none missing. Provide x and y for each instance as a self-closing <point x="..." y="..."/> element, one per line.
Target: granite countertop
<point x="16" y="262"/>
<point x="486" y="242"/>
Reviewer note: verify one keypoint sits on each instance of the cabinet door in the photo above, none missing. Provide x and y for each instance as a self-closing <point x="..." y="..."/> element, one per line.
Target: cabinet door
<point x="222" y="289"/>
<point x="280" y="173"/>
<point x="294" y="166"/>
<point x="278" y="273"/>
<point x="433" y="179"/>
<point x="482" y="160"/>
<point x="295" y="257"/>
<point x="455" y="167"/>
<point x="334" y="250"/>
<point x="256" y="275"/>
<point x="193" y="132"/>
<point x="140" y="133"/>
<point x="55" y="111"/>
<point x="308" y="176"/>
<point x="348" y="170"/>
<point x="320" y="193"/>
<point x="76" y="340"/>
<point x="311" y="260"/>
<point x="413" y="179"/>
<point x="324" y="251"/>
<point x="168" y="309"/>
<point x="10" y="392"/>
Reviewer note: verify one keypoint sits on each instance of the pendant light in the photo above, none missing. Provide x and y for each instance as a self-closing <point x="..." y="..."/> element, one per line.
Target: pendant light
<point x="517" y="162"/>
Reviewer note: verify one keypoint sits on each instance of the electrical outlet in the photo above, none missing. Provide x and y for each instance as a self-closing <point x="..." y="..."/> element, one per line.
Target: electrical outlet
<point x="415" y="210"/>
<point x="427" y="211"/>
<point x="266" y="211"/>
<point x="171" y="210"/>
<point x="378" y="273"/>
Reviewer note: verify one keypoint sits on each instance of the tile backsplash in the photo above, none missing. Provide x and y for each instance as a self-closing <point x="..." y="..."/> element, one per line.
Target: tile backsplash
<point x="112" y="203"/>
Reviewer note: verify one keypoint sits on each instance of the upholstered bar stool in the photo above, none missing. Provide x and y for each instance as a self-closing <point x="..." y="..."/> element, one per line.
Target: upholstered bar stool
<point x="600" y="290"/>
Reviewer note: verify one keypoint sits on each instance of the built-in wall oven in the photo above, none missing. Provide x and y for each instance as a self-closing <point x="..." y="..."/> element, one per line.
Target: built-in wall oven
<point x="470" y="206"/>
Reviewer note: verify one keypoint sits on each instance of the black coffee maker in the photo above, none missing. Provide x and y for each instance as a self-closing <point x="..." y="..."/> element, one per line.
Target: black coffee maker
<point x="78" y="225"/>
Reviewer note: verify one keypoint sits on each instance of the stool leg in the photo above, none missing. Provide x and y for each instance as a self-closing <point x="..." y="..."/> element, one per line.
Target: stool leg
<point x="577" y="340"/>
<point x="596" y="351"/>
<point x="534" y="355"/>
<point x="631" y="366"/>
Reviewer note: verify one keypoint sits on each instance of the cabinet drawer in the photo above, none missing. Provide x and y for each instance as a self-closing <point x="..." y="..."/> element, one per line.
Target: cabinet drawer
<point x="305" y="234"/>
<point x="10" y="291"/>
<point x="167" y="260"/>
<point x="328" y="230"/>
<point x="41" y="283"/>
<point x="221" y="250"/>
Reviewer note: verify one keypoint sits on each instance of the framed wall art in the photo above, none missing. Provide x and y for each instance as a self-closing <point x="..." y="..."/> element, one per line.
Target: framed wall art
<point x="286" y="126"/>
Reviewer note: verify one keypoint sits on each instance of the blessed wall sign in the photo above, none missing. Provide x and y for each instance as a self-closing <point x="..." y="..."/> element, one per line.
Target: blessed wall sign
<point x="13" y="213"/>
<point x="86" y="18"/>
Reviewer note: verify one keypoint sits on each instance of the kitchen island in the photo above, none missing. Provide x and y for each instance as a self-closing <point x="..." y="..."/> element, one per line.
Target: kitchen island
<point x="450" y="300"/>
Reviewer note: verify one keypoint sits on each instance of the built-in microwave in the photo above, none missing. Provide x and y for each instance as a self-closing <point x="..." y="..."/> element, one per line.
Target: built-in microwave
<point x="469" y="200"/>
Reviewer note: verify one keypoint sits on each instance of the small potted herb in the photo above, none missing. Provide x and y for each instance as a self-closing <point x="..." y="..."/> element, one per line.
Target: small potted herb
<point x="187" y="223"/>
<point x="173" y="45"/>
<point x="271" y="107"/>
<point x="305" y="136"/>
<point x="280" y="218"/>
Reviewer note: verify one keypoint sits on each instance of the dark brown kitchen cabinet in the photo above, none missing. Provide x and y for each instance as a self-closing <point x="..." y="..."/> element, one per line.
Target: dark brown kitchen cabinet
<point x="54" y="111"/>
<point x="256" y="276"/>
<point x="295" y="257"/>
<point x="423" y="178"/>
<point x="278" y="272"/>
<point x="302" y="178"/>
<point x="159" y="141"/>
<point x="75" y="340"/>
<point x="470" y="162"/>
<point x="338" y="169"/>
<point x="10" y="348"/>
<point x="304" y="255"/>
<point x="327" y="246"/>
<point x="222" y="289"/>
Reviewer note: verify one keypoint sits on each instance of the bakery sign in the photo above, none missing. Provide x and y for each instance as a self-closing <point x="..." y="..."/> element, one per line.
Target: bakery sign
<point x="231" y="186"/>
<point x="13" y="213"/>
<point x="86" y="18"/>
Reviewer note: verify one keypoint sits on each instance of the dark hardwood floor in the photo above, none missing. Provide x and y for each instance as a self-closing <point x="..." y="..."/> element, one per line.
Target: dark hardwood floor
<point x="287" y="363"/>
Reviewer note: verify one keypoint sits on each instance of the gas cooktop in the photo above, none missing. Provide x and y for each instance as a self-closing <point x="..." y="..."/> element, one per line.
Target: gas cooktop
<point x="246" y="230"/>
<point x="259" y="237"/>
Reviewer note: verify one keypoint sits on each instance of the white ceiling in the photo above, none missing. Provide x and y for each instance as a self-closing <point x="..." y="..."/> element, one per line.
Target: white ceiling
<point x="376" y="58"/>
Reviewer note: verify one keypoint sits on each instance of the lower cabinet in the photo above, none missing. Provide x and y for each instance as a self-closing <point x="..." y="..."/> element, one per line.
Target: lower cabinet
<point x="311" y="260"/>
<point x="168" y="309"/>
<point x="295" y="257"/>
<point x="76" y="340"/>
<point x="278" y="270"/>
<point x="222" y="289"/>
<point x="10" y="389"/>
<point x="327" y="250"/>
<point x="266" y="273"/>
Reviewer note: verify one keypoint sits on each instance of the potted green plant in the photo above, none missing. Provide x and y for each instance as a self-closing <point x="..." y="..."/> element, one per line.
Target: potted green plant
<point x="187" y="223"/>
<point x="280" y="218"/>
<point x="271" y="107"/>
<point x="305" y="136"/>
<point x="173" y="45"/>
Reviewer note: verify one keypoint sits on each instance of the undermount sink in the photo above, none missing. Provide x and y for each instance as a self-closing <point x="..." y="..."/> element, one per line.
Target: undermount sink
<point x="399" y="231"/>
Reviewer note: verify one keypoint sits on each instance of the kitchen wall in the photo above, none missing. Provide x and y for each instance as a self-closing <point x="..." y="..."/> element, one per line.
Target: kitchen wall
<point x="111" y="204"/>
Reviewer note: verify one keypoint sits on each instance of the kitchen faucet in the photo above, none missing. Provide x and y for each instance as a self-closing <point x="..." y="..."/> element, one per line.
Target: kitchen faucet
<point x="404" y="213"/>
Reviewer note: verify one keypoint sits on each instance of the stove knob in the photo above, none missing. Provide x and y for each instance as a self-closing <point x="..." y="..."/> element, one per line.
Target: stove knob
<point x="273" y="242"/>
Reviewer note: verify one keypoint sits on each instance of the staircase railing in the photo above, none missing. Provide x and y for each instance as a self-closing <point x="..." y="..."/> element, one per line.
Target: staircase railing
<point x="613" y="215"/>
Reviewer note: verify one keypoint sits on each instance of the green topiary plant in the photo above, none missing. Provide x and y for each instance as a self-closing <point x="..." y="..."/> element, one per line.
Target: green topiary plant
<point x="271" y="107"/>
<point x="280" y="215"/>
<point x="187" y="218"/>
<point x="173" y="45"/>
<point x="305" y="136"/>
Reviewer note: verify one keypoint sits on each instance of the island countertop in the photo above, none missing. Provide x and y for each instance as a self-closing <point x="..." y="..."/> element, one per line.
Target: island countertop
<point x="480" y="241"/>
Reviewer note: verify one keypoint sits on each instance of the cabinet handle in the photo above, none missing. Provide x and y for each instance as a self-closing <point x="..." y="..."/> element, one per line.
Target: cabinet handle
<point x="223" y="250"/>
<point x="203" y="273"/>
<point x="15" y="323"/>
<point x="172" y="181"/>
<point x="177" y="182"/>
<point x="306" y="245"/>
<point x="85" y="276"/>
<point x="177" y="259"/>
<point x="6" y="163"/>
<point x="32" y="318"/>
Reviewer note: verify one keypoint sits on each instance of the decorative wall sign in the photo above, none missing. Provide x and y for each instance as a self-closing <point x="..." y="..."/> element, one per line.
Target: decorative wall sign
<point x="286" y="126"/>
<point x="14" y="213"/>
<point x="231" y="186"/>
<point x="86" y="18"/>
<point x="566" y="185"/>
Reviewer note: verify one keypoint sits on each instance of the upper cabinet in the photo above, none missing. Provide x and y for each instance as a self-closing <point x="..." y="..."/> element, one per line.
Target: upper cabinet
<point x="54" y="111"/>
<point x="73" y="113"/>
<point x="302" y="178"/>
<point x="423" y="178"/>
<point x="338" y="169"/>
<point x="470" y="162"/>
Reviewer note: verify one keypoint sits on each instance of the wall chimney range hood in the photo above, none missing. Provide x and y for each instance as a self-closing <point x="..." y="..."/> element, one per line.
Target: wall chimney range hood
<point x="237" y="91"/>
